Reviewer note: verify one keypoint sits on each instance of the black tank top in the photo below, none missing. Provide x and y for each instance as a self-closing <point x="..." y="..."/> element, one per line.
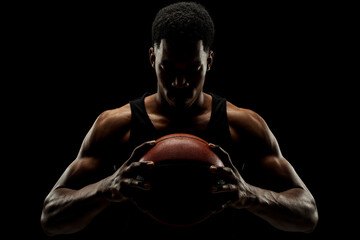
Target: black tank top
<point x="217" y="130"/>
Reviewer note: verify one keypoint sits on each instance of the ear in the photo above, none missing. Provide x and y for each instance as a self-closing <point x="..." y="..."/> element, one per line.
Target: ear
<point x="210" y="59"/>
<point x="152" y="57"/>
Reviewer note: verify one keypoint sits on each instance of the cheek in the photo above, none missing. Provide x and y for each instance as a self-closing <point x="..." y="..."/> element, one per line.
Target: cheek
<point x="163" y="80"/>
<point x="199" y="80"/>
<point x="162" y="84"/>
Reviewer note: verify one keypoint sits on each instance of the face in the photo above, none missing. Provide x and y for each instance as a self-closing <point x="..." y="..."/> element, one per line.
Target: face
<point x="180" y="71"/>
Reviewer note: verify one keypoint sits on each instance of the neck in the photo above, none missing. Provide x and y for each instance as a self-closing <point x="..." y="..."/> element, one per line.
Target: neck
<point x="198" y="107"/>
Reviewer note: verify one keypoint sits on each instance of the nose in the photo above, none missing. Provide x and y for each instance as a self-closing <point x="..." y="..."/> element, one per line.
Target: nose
<point x="180" y="82"/>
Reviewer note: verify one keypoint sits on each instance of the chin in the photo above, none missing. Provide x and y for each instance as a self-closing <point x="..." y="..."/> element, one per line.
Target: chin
<point x="182" y="104"/>
<point x="179" y="100"/>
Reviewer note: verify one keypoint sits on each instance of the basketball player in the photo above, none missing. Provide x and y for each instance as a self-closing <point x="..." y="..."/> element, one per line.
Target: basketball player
<point x="91" y="198"/>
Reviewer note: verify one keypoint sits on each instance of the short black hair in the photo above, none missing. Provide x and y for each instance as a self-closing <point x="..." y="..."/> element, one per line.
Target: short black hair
<point x="183" y="21"/>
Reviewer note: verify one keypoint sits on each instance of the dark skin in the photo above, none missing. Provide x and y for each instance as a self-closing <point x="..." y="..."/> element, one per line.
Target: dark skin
<point x="280" y="197"/>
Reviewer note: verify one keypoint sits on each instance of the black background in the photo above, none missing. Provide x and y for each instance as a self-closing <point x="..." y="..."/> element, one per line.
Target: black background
<point x="68" y="62"/>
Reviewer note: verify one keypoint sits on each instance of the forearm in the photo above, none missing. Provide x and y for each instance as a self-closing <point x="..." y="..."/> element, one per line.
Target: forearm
<point x="68" y="211"/>
<point x="291" y="210"/>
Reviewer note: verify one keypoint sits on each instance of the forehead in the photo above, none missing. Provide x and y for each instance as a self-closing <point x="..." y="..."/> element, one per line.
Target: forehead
<point x="180" y="52"/>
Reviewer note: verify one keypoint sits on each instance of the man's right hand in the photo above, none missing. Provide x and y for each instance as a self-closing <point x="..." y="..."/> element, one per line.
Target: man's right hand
<point x="124" y="184"/>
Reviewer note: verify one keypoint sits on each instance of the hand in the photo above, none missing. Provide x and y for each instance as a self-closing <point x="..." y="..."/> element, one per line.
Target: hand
<point x="124" y="184"/>
<point x="232" y="186"/>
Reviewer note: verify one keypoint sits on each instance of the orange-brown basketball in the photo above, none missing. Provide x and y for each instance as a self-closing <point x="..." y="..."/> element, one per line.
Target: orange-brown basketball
<point x="181" y="180"/>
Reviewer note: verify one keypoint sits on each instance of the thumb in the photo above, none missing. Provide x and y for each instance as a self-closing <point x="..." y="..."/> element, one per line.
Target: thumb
<point x="222" y="154"/>
<point x="140" y="150"/>
<point x="136" y="154"/>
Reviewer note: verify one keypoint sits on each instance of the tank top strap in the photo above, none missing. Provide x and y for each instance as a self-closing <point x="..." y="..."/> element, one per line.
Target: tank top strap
<point x="218" y="128"/>
<point x="142" y="129"/>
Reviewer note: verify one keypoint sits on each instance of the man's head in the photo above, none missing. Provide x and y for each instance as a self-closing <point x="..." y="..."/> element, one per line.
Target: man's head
<point x="183" y="21"/>
<point x="182" y="35"/>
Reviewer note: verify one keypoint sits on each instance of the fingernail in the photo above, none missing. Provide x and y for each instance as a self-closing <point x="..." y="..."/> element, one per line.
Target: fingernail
<point x="150" y="164"/>
<point x="211" y="145"/>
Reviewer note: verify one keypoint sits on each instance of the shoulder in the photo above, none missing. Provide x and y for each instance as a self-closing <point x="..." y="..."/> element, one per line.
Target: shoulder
<point x="235" y="112"/>
<point x="248" y="127"/>
<point x="117" y="116"/>
<point x="112" y="121"/>
<point x="110" y="127"/>
<point x="246" y="120"/>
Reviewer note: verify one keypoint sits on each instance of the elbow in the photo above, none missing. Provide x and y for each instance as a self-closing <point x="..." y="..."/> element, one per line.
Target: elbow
<point x="309" y="217"/>
<point x="48" y="220"/>
<point x="305" y="221"/>
<point x="51" y="227"/>
<point x="46" y="225"/>
<point x="309" y="214"/>
<point x="312" y="220"/>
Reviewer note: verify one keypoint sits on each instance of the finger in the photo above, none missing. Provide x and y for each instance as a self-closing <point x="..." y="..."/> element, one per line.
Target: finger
<point x="224" y="188"/>
<point x="223" y="155"/>
<point x="223" y="173"/>
<point x="138" y="168"/>
<point x="221" y="207"/>
<point x="140" y="150"/>
<point x="134" y="183"/>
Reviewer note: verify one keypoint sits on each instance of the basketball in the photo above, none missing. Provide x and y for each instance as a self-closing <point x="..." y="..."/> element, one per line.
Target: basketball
<point x="181" y="180"/>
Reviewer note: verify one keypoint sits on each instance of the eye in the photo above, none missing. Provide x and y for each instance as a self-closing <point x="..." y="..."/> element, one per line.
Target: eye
<point x="198" y="68"/>
<point x="194" y="69"/>
<point x="165" y="68"/>
<point x="162" y="67"/>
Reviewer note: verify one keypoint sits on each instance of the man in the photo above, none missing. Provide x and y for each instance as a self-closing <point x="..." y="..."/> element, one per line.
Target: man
<point x="91" y="197"/>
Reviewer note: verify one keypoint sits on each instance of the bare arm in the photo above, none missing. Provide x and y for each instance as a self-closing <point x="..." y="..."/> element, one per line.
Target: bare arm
<point x="278" y="195"/>
<point x="87" y="187"/>
<point x="293" y="209"/>
<point x="68" y="210"/>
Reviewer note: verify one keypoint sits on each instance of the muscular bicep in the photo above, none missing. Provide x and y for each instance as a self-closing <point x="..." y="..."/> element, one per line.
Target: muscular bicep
<point x="267" y="166"/>
<point x="275" y="173"/>
<point x="102" y="147"/>
<point x="272" y="170"/>
<point x="264" y="165"/>
<point x="80" y="172"/>
<point x="89" y="165"/>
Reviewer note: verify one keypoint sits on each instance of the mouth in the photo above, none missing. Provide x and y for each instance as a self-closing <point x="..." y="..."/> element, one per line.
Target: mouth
<point x="180" y="94"/>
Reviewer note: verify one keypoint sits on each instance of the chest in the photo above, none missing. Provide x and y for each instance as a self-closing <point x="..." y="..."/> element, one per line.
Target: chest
<point x="181" y="122"/>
